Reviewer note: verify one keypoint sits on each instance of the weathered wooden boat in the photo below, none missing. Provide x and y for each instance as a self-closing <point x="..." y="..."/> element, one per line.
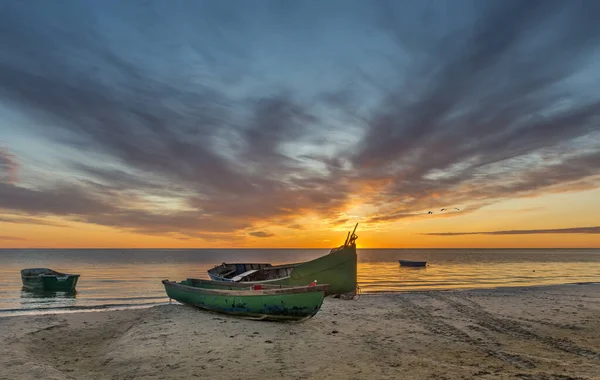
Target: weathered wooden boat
<point x="265" y="302"/>
<point x="45" y="279"/>
<point x="409" y="263"/>
<point x="234" y="272"/>
<point x="338" y="269"/>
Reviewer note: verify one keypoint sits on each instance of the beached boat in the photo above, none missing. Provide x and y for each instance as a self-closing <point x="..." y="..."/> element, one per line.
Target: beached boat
<point x="48" y="280"/>
<point x="265" y="302"/>
<point x="234" y="272"/>
<point x="409" y="263"/>
<point x="338" y="269"/>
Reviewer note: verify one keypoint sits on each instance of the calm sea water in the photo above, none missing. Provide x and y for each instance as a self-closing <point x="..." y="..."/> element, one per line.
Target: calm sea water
<point x="112" y="279"/>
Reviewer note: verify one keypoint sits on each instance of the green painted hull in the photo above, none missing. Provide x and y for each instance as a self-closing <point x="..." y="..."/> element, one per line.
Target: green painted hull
<point x="48" y="281"/>
<point x="337" y="269"/>
<point x="272" y="303"/>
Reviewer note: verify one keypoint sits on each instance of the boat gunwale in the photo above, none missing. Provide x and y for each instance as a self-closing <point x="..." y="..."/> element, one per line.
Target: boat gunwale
<point x="269" y="290"/>
<point x="53" y="273"/>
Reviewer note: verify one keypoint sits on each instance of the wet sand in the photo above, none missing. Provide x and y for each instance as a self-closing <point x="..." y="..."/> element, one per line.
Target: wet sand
<point x="513" y="333"/>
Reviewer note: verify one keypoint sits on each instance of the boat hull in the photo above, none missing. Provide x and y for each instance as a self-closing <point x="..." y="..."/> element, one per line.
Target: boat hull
<point x="408" y="263"/>
<point x="338" y="269"/>
<point x="51" y="283"/>
<point x="240" y="300"/>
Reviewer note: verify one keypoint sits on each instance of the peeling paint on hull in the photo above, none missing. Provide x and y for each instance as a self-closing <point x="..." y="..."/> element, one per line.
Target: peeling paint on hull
<point x="280" y="306"/>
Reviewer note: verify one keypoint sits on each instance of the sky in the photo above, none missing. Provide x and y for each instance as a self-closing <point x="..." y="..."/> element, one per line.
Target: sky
<point x="283" y="123"/>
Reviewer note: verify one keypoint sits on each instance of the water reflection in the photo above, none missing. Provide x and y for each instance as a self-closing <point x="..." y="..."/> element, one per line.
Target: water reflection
<point x="34" y="293"/>
<point x="36" y="299"/>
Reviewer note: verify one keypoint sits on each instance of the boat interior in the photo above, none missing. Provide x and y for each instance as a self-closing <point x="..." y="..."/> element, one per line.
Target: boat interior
<point x="230" y="271"/>
<point x="34" y="272"/>
<point x="198" y="283"/>
<point x="269" y="273"/>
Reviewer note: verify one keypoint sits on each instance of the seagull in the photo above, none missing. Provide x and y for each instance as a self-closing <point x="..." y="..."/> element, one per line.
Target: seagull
<point x="442" y="209"/>
<point x="430" y="212"/>
<point x="456" y="208"/>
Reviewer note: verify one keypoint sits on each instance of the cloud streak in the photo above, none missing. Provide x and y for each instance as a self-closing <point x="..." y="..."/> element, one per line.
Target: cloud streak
<point x="261" y="234"/>
<point x="11" y="238"/>
<point x="572" y="230"/>
<point x="27" y="220"/>
<point x="8" y="167"/>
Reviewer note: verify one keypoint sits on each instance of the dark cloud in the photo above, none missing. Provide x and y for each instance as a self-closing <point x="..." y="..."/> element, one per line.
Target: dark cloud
<point x="573" y="230"/>
<point x="8" y="167"/>
<point x="190" y="141"/>
<point x="168" y="137"/>
<point x="261" y="234"/>
<point x="483" y="97"/>
<point x="189" y="223"/>
<point x="61" y="200"/>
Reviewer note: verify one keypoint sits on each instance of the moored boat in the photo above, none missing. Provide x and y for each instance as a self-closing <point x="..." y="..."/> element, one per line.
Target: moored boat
<point x="409" y="263"/>
<point x="265" y="302"/>
<point x="338" y="269"/>
<point x="46" y="279"/>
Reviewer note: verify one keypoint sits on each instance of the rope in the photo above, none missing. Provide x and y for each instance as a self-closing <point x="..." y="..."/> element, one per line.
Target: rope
<point x="358" y="292"/>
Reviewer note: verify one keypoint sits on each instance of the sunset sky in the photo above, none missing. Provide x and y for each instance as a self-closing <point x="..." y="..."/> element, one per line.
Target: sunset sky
<point x="284" y="123"/>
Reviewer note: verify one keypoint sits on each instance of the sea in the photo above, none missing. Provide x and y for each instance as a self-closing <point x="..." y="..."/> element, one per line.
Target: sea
<point x="113" y="279"/>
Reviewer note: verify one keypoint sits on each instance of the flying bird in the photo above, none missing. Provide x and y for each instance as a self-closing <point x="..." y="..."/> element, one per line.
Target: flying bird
<point x="456" y="208"/>
<point x="442" y="209"/>
<point x="430" y="212"/>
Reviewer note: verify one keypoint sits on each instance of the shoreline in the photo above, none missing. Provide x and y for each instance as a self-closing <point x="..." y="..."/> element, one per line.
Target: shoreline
<point x="544" y="332"/>
<point x="7" y="313"/>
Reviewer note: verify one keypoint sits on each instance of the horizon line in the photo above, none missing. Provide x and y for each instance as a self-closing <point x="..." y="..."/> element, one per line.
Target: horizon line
<point x="279" y="248"/>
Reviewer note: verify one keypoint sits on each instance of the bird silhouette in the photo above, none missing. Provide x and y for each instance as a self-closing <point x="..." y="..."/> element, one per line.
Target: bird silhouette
<point x="442" y="209"/>
<point x="456" y="208"/>
<point x="430" y="212"/>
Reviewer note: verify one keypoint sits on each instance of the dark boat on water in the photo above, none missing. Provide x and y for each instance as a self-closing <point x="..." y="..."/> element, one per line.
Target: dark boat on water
<point x="409" y="263"/>
<point x="338" y="269"/>
<point x="44" y="279"/>
<point x="263" y="302"/>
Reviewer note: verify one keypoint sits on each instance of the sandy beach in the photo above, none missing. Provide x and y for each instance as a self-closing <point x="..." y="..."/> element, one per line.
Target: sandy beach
<point x="548" y="332"/>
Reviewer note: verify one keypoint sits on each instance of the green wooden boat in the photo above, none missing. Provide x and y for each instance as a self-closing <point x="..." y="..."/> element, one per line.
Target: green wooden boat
<point x="338" y="269"/>
<point x="265" y="302"/>
<point x="44" y="279"/>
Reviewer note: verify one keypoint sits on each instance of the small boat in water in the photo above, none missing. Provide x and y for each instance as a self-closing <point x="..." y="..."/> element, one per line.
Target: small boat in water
<point x="45" y="279"/>
<point x="338" y="269"/>
<point x="264" y="302"/>
<point x="409" y="263"/>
